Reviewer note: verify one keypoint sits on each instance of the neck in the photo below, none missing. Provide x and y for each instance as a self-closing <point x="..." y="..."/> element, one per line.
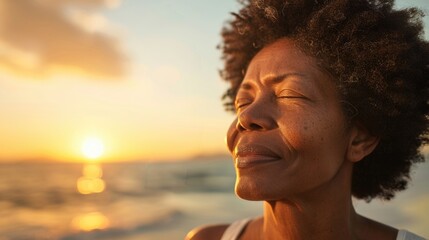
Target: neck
<point x="325" y="213"/>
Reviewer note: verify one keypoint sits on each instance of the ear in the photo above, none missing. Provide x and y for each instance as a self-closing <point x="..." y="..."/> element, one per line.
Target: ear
<point x="361" y="143"/>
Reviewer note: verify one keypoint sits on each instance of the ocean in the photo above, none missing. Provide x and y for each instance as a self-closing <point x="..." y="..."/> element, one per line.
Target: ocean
<point x="152" y="201"/>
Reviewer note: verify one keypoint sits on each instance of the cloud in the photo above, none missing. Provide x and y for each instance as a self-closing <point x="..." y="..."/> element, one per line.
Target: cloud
<point x="85" y="3"/>
<point x="42" y="37"/>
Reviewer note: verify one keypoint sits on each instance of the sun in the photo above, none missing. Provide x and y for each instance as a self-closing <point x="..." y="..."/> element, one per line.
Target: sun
<point x="92" y="148"/>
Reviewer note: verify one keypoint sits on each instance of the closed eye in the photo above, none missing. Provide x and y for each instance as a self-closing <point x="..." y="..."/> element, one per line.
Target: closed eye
<point x="287" y="93"/>
<point x="291" y="97"/>
<point x="241" y="102"/>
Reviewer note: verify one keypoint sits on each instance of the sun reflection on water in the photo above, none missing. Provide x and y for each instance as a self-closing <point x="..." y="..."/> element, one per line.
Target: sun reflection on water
<point x="92" y="171"/>
<point x="90" y="185"/>
<point x="90" y="221"/>
<point x="91" y="181"/>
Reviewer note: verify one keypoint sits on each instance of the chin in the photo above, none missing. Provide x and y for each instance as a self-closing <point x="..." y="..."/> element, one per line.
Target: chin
<point x="252" y="191"/>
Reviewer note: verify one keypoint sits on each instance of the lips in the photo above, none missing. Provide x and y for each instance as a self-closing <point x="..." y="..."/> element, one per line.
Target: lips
<point x="252" y="155"/>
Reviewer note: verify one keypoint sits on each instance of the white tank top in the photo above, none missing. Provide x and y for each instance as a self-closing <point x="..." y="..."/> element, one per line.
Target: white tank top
<point x="236" y="228"/>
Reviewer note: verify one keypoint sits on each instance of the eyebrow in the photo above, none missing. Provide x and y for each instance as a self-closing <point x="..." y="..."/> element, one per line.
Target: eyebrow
<point x="273" y="79"/>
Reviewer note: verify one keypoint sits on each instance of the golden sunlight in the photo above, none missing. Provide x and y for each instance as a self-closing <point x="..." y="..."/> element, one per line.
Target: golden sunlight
<point x="92" y="171"/>
<point x="90" y="221"/>
<point x="92" y="148"/>
<point x="87" y="185"/>
<point x="91" y="181"/>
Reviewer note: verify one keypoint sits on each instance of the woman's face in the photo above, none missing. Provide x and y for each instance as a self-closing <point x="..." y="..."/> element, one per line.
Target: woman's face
<point x="290" y="136"/>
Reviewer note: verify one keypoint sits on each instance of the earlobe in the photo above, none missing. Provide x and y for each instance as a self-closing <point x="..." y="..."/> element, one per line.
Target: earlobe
<point x="361" y="144"/>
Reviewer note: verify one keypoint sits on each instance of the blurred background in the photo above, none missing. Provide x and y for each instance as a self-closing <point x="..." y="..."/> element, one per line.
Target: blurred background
<point x="112" y="125"/>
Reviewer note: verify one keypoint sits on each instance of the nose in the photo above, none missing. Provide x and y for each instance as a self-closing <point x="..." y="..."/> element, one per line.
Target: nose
<point x="257" y="116"/>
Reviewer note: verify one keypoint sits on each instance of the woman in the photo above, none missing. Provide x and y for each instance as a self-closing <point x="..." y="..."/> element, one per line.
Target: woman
<point x="331" y="98"/>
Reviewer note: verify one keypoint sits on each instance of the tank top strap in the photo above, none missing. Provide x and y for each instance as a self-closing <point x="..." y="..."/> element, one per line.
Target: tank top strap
<point x="406" y="235"/>
<point x="235" y="229"/>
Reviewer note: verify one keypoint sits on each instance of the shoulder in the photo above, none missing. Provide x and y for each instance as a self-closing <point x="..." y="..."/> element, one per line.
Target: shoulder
<point x="371" y="229"/>
<point x="406" y="235"/>
<point x="207" y="232"/>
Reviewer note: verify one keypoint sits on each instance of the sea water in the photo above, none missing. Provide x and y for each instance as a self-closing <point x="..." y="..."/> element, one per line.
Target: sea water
<point x="138" y="201"/>
<point x="151" y="201"/>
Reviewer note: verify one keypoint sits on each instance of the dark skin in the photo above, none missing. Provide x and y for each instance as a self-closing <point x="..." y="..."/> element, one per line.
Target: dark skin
<point x="294" y="149"/>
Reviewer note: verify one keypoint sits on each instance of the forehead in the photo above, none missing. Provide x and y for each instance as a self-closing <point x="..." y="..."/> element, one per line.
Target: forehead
<point x="281" y="57"/>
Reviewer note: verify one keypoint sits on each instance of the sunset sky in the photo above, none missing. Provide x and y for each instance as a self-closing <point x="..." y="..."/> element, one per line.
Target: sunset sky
<point x="139" y="75"/>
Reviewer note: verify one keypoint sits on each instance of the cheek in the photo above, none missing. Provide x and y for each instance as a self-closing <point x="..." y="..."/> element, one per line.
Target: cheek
<point x="316" y="139"/>
<point x="316" y="154"/>
<point x="231" y="135"/>
<point x="328" y="149"/>
<point x="302" y="133"/>
<point x="315" y="127"/>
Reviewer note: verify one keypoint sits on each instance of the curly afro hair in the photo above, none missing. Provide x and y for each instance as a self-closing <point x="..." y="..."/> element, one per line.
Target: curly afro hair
<point x="378" y="60"/>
